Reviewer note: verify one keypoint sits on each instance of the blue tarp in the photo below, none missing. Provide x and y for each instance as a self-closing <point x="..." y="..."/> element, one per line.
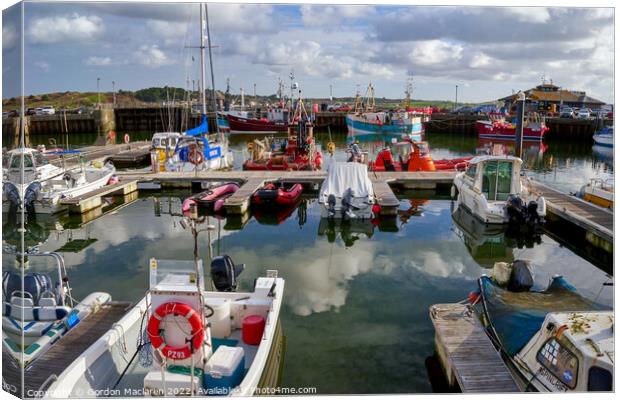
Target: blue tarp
<point x="517" y="316"/>
<point x="201" y="129"/>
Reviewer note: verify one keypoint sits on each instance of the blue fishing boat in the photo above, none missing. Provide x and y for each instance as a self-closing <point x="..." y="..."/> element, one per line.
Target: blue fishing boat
<point x="365" y="120"/>
<point x="554" y="340"/>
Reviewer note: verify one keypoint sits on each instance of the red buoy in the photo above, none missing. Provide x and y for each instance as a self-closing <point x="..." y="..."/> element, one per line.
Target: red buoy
<point x="252" y="330"/>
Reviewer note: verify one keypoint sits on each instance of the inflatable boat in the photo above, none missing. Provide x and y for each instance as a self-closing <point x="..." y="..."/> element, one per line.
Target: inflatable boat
<point x="272" y="195"/>
<point x="211" y="199"/>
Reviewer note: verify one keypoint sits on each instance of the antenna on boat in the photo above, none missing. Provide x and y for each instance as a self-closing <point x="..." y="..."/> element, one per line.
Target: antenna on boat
<point x="213" y="97"/>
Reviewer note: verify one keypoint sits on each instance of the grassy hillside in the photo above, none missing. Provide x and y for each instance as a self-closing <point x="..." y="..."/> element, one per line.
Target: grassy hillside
<point x="157" y="95"/>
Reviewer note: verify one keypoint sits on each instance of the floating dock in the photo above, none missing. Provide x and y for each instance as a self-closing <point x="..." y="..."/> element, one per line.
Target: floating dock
<point x="42" y="372"/>
<point x="137" y="150"/>
<point x="466" y="353"/>
<point x="597" y="222"/>
<point x="93" y="199"/>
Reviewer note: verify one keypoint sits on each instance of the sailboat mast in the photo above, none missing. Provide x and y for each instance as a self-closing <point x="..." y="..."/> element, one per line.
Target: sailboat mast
<point x="203" y="98"/>
<point x="217" y="127"/>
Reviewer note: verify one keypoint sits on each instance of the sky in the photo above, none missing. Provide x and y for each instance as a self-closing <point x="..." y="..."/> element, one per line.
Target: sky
<point x="489" y="52"/>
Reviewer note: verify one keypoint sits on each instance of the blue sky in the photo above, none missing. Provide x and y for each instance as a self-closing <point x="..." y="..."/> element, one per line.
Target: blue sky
<point x="486" y="51"/>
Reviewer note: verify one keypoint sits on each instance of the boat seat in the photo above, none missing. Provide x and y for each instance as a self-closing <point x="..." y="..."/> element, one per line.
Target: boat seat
<point x="19" y="303"/>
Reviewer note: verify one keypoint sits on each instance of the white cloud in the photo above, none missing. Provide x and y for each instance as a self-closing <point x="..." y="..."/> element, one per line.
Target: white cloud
<point x="430" y="52"/>
<point x="72" y="28"/>
<point x="151" y="56"/>
<point x="97" y="61"/>
<point x="530" y="14"/>
<point x="479" y="60"/>
<point x="42" y="65"/>
<point x="167" y="29"/>
<point x="332" y="16"/>
<point x="9" y="37"/>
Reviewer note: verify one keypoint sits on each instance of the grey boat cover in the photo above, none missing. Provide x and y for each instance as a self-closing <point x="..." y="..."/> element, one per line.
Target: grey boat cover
<point x="343" y="176"/>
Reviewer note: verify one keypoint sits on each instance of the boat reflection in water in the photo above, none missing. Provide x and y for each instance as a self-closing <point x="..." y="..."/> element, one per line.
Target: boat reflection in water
<point x="277" y="215"/>
<point x="605" y="155"/>
<point x="489" y="244"/>
<point x="354" y="229"/>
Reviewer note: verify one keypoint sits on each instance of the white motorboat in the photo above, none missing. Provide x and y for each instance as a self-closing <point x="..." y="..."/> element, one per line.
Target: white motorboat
<point x="17" y="189"/>
<point x="199" y="153"/>
<point x="494" y="191"/>
<point x="604" y="137"/>
<point x="42" y="310"/>
<point x="189" y="341"/>
<point x="599" y="192"/>
<point x="72" y="184"/>
<point x="347" y="192"/>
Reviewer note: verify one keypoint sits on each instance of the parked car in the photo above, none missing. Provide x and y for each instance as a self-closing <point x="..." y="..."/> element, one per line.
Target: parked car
<point x="31" y="111"/>
<point x="584" y="113"/>
<point x="567" y="112"/>
<point x="5" y="114"/>
<point x="48" y="110"/>
<point x="332" y="107"/>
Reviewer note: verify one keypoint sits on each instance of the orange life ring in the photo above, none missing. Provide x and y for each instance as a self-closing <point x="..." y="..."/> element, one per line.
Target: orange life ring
<point x="176" y="353"/>
<point x="126" y="138"/>
<point x="195" y="156"/>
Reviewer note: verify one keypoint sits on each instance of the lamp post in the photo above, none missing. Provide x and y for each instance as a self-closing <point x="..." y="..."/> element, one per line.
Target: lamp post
<point x="456" y="96"/>
<point x="98" y="94"/>
<point x="113" y="94"/>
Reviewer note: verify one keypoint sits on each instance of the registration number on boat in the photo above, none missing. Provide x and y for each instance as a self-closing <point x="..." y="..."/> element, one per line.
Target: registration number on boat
<point x="552" y="379"/>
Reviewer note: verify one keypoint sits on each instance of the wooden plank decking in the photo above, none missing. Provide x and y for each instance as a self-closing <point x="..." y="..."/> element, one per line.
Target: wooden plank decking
<point x="466" y="352"/>
<point x="91" y="200"/>
<point x="239" y="202"/>
<point x="64" y="352"/>
<point x="385" y="197"/>
<point x="588" y="216"/>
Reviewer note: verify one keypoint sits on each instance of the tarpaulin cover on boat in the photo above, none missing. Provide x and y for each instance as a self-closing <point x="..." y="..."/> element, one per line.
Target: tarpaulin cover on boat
<point x="342" y="176"/>
<point x="201" y="129"/>
<point x="517" y="316"/>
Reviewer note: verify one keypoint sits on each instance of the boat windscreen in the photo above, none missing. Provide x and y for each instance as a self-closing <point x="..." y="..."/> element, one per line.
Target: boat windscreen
<point x="517" y="316"/>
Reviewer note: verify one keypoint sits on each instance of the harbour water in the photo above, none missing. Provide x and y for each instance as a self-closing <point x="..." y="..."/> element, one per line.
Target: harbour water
<point x="355" y="312"/>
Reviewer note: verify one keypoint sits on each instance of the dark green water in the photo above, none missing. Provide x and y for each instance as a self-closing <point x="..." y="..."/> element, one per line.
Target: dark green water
<point x="355" y="311"/>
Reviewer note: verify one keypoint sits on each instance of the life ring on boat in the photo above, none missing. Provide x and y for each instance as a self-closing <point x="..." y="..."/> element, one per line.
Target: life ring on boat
<point x="195" y="155"/>
<point x="331" y="147"/>
<point x="174" y="308"/>
<point x="250" y="146"/>
<point x="126" y="138"/>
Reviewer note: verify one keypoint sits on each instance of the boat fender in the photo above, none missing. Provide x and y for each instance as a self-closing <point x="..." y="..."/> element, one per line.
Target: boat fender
<point x="197" y="333"/>
<point x="126" y="138"/>
<point x="521" y="278"/>
<point x="473" y="297"/>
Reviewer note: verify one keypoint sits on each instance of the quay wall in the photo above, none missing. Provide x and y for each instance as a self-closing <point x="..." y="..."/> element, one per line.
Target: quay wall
<point x="157" y="119"/>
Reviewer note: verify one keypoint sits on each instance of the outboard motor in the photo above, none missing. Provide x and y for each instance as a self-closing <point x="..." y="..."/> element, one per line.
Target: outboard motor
<point x="346" y="204"/>
<point x="521" y="278"/>
<point x="532" y="213"/>
<point x="224" y="273"/>
<point x="331" y="206"/>
<point x="515" y="209"/>
<point x="12" y="195"/>
<point x="32" y="193"/>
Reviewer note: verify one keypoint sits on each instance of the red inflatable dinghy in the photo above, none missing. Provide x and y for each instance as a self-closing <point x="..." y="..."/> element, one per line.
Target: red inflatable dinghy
<point x="270" y="194"/>
<point x="213" y="198"/>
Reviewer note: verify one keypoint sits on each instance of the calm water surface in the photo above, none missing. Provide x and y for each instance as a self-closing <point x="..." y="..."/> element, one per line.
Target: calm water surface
<point x="355" y="310"/>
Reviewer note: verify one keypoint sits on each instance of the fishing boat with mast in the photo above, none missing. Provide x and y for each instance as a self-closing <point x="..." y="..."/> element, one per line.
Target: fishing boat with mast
<point x="197" y="149"/>
<point x="366" y="120"/>
<point x="297" y="153"/>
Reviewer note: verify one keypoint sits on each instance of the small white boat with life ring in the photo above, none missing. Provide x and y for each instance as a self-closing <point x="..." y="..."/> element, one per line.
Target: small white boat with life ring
<point x="181" y="339"/>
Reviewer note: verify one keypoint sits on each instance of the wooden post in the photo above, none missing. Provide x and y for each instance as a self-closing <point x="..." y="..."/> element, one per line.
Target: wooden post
<point x="519" y="129"/>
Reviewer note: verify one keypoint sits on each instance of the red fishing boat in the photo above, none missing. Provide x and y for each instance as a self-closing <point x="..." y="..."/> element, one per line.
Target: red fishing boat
<point x="418" y="159"/>
<point x="497" y="127"/>
<point x="212" y="199"/>
<point x="255" y="125"/>
<point x="270" y="194"/>
<point x="298" y="153"/>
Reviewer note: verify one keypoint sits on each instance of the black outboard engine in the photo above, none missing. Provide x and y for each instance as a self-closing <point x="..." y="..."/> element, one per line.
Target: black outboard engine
<point x="32" y="192"/>
<point x="532" y="213"/>
<point x="224" y="273"/>
<point x="347" y="211"/>
<point x="515" y="209"/>
<point x="521" y="278"/>
<point x="12" y="195"/>
<point x="331" y="206"/>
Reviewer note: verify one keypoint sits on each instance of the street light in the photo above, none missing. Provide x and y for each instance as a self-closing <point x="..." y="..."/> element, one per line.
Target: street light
<point x="98" y="94"/>
<point x="456" y="96"/>
<point x="113" y="95"/>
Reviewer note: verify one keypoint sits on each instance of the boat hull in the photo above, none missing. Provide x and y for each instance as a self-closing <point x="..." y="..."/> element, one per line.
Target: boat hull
<point x="412" y="127"/>
<point x="486" y="130"/>
<point x="252" y="125"/>
<point x="277" y="196"/>
<point x="604" y="140"/>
